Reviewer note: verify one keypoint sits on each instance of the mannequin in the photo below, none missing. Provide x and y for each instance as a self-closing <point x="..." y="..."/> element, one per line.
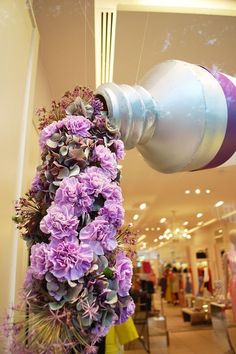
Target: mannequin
<point x="230" y="272"/>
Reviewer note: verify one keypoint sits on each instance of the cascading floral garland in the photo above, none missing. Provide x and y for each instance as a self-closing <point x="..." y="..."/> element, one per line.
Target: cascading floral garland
<point x="78" y="281"/>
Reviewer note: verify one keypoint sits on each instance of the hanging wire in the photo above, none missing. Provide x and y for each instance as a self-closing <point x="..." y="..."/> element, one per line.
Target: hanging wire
<point x="142" y="47"/>
<point x="85" y="43"/>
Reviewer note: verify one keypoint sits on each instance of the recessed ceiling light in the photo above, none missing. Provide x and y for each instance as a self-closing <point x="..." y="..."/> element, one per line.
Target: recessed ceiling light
<point x="152" y="228"/>
<point x="199" y="215"/>
<point x="187" y="191"/>
<point x="197" y="191"/>
<point x="185" y="223"/>
<point x="200" y="223"/>
<point x="208" y="191"/>
<point x="135" y="217"/>
<point x="142" y="206"/>
<point x="162" y="220"/>
<point x="158" y="228"/>
<point x="219" y="203"/>
<point x="146" y="228"/>
<point x="155" y="240"/>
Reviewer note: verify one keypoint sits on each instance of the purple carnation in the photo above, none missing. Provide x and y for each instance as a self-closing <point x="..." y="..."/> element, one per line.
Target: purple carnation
<point x="39" y="261"/>
<point x="46" y="133"/>
<point x="60" y="222"/>
<point x="71" y="191"/>
<point x="99" y="235"/>
<point x="112" y="193"/>
<point x="124" y="272"/>
<point x="113" y="213"/>
<point x="94" y="180"/>
<point x="107" y="160"/>
<point x="119" y="149"/>
<point x="78" y="125"/>
<point x="126" y="312"/>
<point x="70" y="261"/>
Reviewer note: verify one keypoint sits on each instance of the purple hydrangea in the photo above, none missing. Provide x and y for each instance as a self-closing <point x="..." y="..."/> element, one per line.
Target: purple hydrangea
<point x="107" y="160"/>
<point x="60" y="222"/>
<point x="124" y="273"/>
<point x="70" y="261"/>
<point x="94" y="180"/>
<point x="99" y="235"/>
<point x="112" y="193"/>
<point x="113" y="213"/>
<point x="36" y="184"/>
<point x="71" y="191"/>
<point x="77" y="125"/>
<point x="119" y="149"/>
<point x="39" y="261"/>
<point x="126" y="312"/>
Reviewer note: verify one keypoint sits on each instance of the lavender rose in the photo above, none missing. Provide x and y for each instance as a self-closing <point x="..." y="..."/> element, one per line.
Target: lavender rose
<point x="71" y="191"/>
<point x="124" y="272"/>
<point x="39" y="261"/>
<point x="77" y="125"/>
<point x="113" y="213"/>
<point x="107" y="160"/>
<point x="70" y="261"/>
<point x="99" y="235"/>
<point x="60" y="222"/>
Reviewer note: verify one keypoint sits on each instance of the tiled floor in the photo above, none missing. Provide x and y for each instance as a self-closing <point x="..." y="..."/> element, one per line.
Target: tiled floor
<point x="184" y="338"/>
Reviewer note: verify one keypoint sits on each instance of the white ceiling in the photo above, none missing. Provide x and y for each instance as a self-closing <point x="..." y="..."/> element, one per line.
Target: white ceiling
<point x="143" y="39"/>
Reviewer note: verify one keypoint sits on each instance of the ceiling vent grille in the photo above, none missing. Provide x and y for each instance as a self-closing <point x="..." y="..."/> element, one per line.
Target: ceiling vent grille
<point x="105" y="26"/>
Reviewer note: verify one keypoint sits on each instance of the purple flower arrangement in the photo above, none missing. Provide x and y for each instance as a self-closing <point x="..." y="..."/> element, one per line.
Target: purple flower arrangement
<point x="78" y="280"/>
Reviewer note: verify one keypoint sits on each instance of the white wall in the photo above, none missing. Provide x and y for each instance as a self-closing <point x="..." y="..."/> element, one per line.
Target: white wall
<point x="20" y="155"/>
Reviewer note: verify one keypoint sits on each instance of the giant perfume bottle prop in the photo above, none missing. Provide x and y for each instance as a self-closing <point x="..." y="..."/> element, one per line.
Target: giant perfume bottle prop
<point x="181" y="117"/>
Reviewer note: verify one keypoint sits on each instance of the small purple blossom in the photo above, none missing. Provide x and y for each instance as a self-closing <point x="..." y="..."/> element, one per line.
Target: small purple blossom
<point x="107" y="160"/>
<point x="36" y="184"/>
<point x="60" y="222"/>
<point x="39" y="261"/>
<point x="113" y="213"/>
<point x="99" y="330"/>
<point x="99" y="235"/>
<point x="70" y="261"/>
<point x="126" y="311"/>
<point x="124" y="273"/>
<point x="77" y="125"/>
<point x="71" y="191"/>
<point x="119" y="149"/>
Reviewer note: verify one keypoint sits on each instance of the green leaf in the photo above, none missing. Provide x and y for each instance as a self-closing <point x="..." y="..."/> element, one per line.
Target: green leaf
<point x="63" y="150"/>
<point x="52" y="144"/>
<point x="64" y="172"/>
<point x="108" y="273"/>
<point x="56" y="305"/>
<point x="75" y="171"/>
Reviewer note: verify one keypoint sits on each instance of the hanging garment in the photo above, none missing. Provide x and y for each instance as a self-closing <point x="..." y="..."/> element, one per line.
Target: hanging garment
<point x="232" y="284"/>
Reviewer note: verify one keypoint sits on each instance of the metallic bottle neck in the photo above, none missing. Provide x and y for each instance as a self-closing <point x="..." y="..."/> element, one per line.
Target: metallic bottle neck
<point x="132" y="110"/>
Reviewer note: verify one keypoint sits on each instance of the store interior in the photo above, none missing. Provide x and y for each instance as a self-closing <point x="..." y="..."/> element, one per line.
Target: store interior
<point x="183" y="220"/>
